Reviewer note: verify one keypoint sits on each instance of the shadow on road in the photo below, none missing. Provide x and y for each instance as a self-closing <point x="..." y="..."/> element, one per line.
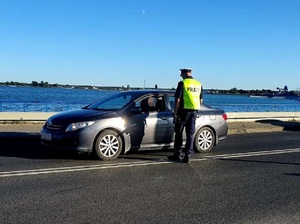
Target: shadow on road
<point x="27" y="145"/>
<point x="287" y="125"/>
<point x="261" y="161"/>
<point x="157" y="154"/>
<point x="293" y="174"/>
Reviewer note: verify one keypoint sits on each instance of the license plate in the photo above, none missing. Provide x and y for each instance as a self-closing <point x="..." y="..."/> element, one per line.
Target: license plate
<point x="46" y="136"/>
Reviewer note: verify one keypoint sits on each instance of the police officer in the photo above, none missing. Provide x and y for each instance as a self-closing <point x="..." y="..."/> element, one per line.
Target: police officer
<point x="188" y="97"/>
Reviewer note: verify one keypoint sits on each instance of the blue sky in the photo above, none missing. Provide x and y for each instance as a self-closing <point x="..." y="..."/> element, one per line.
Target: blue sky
<point x="247" y="44"/>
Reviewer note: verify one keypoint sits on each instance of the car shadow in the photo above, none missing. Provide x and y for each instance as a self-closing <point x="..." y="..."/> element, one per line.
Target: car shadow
<point x="287" y="125"/>
<point x="27" y="145"/>
<point x="157" y="154"/>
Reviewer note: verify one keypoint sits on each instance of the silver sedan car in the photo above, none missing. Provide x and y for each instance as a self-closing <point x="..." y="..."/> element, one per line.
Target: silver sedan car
<point x="128" y="120"/>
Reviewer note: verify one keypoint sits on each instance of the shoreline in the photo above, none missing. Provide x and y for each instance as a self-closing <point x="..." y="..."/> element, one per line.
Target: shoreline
<point x="233" y="91"/>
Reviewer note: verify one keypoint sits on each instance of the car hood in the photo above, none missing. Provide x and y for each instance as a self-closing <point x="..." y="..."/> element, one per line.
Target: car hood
<point x="80" y="115"/>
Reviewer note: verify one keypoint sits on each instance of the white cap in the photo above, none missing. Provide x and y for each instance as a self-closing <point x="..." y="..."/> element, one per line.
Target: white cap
<point x="185" y="69"/>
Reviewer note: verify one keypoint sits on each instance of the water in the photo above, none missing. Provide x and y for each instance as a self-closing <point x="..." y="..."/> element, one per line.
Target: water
<point x="243" y="103"/>
<point x="27" y="99"/>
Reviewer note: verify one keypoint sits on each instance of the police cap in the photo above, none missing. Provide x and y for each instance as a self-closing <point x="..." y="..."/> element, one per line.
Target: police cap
<point x="185" y="70"/>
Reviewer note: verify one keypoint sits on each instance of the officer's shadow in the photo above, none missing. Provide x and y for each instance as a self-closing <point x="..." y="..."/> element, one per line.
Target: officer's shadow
<point x="287" y="125"/>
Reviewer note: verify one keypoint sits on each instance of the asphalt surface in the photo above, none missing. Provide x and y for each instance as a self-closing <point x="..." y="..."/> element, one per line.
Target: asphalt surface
<point x="248" y="178"/>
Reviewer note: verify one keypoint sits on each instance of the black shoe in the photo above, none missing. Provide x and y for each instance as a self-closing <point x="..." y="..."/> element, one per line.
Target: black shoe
<point x="186" y="160"/>
<point x="174" y="158"/>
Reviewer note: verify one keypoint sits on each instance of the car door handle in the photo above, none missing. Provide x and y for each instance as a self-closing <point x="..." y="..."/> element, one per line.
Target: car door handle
<point x="164" y="118"/>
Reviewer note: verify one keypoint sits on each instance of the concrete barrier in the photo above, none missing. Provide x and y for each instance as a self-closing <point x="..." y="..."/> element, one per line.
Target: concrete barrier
<point x="232" y="116"/>
<point x="255" y="116"/>
<point x="25" y="116"/>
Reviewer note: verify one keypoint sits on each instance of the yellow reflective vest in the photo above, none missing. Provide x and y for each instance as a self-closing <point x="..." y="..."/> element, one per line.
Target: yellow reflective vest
<point x="191" y="94"/>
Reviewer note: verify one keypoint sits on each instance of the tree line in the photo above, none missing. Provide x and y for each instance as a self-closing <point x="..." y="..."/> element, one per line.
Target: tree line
<point x="56" y="85"/>
<point x="49" y="85"/>
<point x="257" y="92"/>
<point x="33" y="83"/>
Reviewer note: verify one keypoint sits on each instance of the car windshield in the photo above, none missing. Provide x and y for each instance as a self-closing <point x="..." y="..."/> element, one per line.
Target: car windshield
<point x="113" y="102"/>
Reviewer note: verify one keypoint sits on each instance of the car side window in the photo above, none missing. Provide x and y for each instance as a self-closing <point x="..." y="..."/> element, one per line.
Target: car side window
<point x="152" y="104"/>
<point x="147" y="104"/>
<point x="170" y="104"/>
<point x="159" y="104"/>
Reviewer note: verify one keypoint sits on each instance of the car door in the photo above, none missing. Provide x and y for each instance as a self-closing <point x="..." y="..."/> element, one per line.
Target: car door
<point x="151" y="125"/>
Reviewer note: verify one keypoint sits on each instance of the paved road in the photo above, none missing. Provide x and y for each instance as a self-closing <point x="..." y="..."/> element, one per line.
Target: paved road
<point x="250" y="178"/>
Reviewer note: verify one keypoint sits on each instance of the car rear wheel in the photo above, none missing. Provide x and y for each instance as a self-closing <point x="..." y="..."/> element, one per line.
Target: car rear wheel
<point x="108" y="145"/>
<point x="204" y="140"/>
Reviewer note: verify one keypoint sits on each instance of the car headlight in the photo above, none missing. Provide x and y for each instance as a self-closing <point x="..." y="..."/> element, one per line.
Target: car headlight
<point x="79" y="125"/>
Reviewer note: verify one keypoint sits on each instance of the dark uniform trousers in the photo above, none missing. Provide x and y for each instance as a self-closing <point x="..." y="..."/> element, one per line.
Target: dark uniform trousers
<point x="187" y="120"/>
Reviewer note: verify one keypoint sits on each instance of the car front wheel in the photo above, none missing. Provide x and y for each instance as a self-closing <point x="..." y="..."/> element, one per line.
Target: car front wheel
<point x="204" y="140"/>
<point x="108" y="145"/>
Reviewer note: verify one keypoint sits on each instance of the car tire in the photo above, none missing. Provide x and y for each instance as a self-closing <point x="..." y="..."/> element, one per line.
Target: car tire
<point x="108" y="145"/>
<point x="204" y="140"/>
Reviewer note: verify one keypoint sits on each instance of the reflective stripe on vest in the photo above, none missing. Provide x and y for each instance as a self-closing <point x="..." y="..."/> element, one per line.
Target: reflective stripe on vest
<point x="191" y="94"/>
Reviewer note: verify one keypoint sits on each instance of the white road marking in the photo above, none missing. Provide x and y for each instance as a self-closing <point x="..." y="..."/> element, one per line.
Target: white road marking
<point x="74" y="168"/>
<point x="249" y="154"/>
<point x="139" y="163"/>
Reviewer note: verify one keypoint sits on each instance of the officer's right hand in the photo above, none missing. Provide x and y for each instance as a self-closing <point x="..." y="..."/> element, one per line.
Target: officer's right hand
<point x="176" y="119"/>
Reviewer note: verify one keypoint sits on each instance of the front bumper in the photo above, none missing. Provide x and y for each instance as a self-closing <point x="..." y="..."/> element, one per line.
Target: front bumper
<point x="81" y="140"/>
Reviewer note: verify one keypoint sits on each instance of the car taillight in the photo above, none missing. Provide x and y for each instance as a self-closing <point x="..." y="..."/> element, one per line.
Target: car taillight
<point x="224" y="116"/>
